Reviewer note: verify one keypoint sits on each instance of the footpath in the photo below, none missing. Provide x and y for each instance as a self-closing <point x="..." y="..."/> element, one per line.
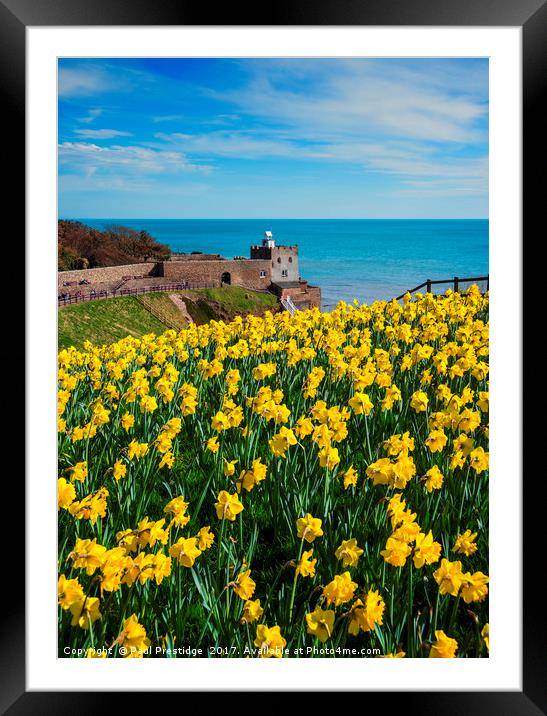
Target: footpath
<point x="181" y="305"/>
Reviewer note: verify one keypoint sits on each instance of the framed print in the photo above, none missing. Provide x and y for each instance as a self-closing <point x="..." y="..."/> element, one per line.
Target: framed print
<point x="427" y="100"/>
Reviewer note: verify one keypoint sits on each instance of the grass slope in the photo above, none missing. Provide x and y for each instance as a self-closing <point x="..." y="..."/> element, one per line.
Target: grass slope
<point x="160" y="305"/>
<point x="105" y="321"/>
<point x="237" y="299"/>
<point x="110" y="319"/>
<point x="200" y="312"/>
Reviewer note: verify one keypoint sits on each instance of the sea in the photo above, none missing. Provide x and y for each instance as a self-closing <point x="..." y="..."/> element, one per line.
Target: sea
<point x="363" y="259"/>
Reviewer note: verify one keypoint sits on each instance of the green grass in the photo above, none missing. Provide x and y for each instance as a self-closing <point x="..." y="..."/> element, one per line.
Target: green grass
<point x="237" y="299"/>
<point x="200" y="314"/>
<point x="160" y="305"/>
<point x="105" y="321"/>
<point x="109" y="320"/>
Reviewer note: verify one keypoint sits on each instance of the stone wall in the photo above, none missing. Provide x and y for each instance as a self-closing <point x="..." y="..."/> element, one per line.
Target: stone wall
<point x="304" y="295"/>
<point x="261" y="252"/>
<point x="196" y="257"/>
<point x="314" y="293"/>
<point x="107" y="273"/>
<point x="243" y="272"/>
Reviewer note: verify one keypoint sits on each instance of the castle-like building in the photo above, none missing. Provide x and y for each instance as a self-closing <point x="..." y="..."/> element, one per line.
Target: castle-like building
<point x="270" y="267"/>
<point x="284" y="259"/>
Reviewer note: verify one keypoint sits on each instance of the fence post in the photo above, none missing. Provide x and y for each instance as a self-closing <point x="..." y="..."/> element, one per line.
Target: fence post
<point x="428" y="284"/>
<point x="456" y="284"/>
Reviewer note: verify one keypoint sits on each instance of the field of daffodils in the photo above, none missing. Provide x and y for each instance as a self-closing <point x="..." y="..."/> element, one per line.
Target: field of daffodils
<point x="313" y="485"/>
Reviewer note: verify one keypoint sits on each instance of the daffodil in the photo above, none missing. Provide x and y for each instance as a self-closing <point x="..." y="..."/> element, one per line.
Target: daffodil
<point x="349" y="552"/>
<point x="426" y="550"/>
<point x="66" y="493"/>
<point x="244" y="585"/>
<point x="308" y="528"/>
<point x="119" y="470"/>
<point x="449" y="577"/>
<point x="133" y="640"/>
<point x="465" y="543"/>
<point x="185" y="551"/>
<point x="419" y="401"/>
<point x="269" y="641"/>
<point x="444" y="647"/>
<point x="252" y="611"/>
<point x="474" y="587"/>
<point x="320" y="623"/>
<point x="306" y="565"/>
<point x="350" y="477"/>
<point x="85" y="612"/>
<point x="87" y="555"/>
<point x="433" y="479"/>
<point x="228" y="506"/>
<point x="78" y="472"/>
<point x="340" y="590"/>
<point x="436" y="440"/>
<point x="360" y="403"/>
<point x="212" y="445"/>
<point x="364" y="615"/>
<point x="70" y="591"/>
<point x="485" y="633"/>
<point x="396" y="552"/>
<point x="229" y="467"/>
<point x="205" y="538"/>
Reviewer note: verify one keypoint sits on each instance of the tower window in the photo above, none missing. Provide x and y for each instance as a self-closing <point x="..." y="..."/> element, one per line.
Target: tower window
<point x="290" y="259"/>
<point x="284" y="273"/>
<point x="263" y="274"/>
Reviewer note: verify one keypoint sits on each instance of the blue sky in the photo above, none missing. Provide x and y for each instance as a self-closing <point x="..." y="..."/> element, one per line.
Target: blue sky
<point x="275" y="138"/>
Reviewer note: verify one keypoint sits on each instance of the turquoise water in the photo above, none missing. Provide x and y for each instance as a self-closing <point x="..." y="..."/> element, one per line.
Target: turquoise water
<point x="367" y="259"/>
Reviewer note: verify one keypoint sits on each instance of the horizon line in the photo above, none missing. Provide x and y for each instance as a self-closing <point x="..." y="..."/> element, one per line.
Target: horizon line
<point x="279" y="218"/>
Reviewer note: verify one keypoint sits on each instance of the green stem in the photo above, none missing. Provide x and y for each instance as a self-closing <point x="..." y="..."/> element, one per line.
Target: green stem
<point x="274" y="584"/>
<point x="218" y="555"/>
<point x="295" y="580"/>
<point x="409" y="615"/>
<point x="435" y="615"/>
<point x="453" y="617"/>
<point x="462" y="500"/>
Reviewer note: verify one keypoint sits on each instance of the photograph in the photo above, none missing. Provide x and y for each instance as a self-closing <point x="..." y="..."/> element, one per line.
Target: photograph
<point x="274" y="290"/>
<point x="273" y="357"/>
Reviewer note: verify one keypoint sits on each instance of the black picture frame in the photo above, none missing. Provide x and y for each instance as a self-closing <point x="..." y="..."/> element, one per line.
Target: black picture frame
<point x="531" y="16"/>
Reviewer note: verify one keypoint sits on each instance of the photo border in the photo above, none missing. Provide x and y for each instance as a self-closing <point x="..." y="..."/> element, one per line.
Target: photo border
<point x="532" y="17"/>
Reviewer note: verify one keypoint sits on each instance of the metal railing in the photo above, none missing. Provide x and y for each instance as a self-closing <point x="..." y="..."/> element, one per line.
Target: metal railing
<point x="456" y="281"/>
<point x="69" y="299"/>
<point x="288" y="305"/>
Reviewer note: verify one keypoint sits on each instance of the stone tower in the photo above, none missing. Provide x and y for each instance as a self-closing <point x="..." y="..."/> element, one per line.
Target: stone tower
<point x="284" y="259"/>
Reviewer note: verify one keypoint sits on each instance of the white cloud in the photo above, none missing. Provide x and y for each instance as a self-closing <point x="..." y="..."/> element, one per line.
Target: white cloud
<point x="100" y="133"/>
<point x="168" y="118"/>
<point x="434" y="101"/>
<point x="357" y="104"/>
<point x="150" y="187"/>
<point x="416" y="121"/>
<point x="236" y="144"/>
<point x="91" y="116"/>
<point x="406" y="158"/>
<point x="80" y="81"/>
<point x="425" y="124"/>
<point x="91" y="158"/>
